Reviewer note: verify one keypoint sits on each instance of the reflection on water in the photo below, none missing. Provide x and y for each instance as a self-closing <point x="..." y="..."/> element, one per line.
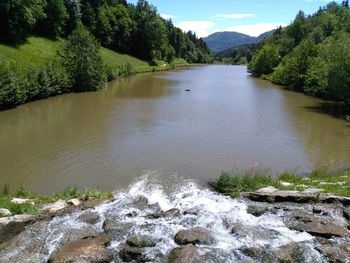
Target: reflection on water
<point x="149" y="122"/>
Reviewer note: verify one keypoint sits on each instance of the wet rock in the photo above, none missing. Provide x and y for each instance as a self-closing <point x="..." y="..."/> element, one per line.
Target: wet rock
<point x="193" y="211"/>
<point x="185" y="254"/>
<point x="328" y="209"/>
<point x="128" y="253"/>
<point x="92" y="203"/>
<point x="333" y="199"/>
<point x="257" y="232"/>
<point x="12" y="226"/>
<point x="258" y="209"/>
<point x="141" y="241"/>
<point x="297" y="252"/>
<point x="75" y="202"/>
<point x="336" y="252"/>
<point x="84" y="250"/>
<point x="89" y="217"/>
<point x="346" y="213"/>
<point x="317" y="226"/>
<point x="116" y="228"/>
<point x="260" y="254"/>
<point x="215" y="255"/>
<point x="5" y="212"/>
<point x="174" y="212"/>
<point x="197" y="235"/>
<point x="55" y="207"/>
<point x="281" y="196"/>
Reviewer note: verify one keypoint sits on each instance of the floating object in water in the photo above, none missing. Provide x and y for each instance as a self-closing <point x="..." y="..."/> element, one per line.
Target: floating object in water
<point x="188" y="90"/>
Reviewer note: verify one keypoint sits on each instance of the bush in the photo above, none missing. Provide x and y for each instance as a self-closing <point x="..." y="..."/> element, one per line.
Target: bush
<point x="11" y="94"/>
<point x="80" y="55"/>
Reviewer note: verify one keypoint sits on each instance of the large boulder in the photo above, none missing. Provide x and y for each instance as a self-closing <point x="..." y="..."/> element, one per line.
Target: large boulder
<point x="259" y="254"/>
<point x="336" y="252"/>
<point x="128" y="253"/>
<point x="265" y="195"/>
<point x="256" y="232"/>
<point x="297" y="252"/>
<point x="197" y="235"/>
<point x="92" y="250"/>
<point x="56" y="207"/>
<point x="314" y="225"/>
<point x="89" y="217"/>
<point x="174" y="212"/>
<point x="13" y="225"/>
<point x="185" y="254"/>
<point x="141" y="241"/>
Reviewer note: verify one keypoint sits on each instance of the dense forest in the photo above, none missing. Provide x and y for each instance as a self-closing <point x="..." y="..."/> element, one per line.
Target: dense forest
<point x="86" y="25"/>
<point x="312" y="55"/>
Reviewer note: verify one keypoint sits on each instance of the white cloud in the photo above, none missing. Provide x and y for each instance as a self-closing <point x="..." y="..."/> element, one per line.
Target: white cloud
<point x="256" y="29"/>
<point x="167" y="16"/>
<point x="201" y="28"/>
<point x="235" y="16"/>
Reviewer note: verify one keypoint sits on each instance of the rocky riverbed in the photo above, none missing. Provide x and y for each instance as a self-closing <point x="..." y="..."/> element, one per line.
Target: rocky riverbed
<point x="148" y="223"/>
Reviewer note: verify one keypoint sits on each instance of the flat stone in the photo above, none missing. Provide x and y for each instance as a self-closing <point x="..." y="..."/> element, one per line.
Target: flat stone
<point x="256" y="232"/>
<point x="197" y="235"/>
<point x="141" y="241"/>
<point x="22" y="201"/>
<point x="84" y="250"/>
<point x="280" y="196"/>
<point x="75" y="202"/>
<point x="185" y="254"/>
<point x="316" y="226"/>
<point x="5" y="212"/>
<point x="336" y="252"/>
<point x="128" y="253"/>
<point x="89" y="217"/>
<point x="312" y="191"/>
<point x="268" y="189"/>
<point x="55" y="207"/>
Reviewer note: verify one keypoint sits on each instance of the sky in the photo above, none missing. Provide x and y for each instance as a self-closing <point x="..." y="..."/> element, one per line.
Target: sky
<point x="251" y="17"/>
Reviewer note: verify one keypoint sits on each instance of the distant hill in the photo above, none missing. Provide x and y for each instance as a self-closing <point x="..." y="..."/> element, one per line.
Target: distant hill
<point x="220" y="41"/>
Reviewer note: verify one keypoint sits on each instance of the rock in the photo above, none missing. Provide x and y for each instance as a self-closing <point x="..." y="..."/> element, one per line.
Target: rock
<point x="333" y="199"/>
<point x="92" y="203"/>
<point x="193" y="211"/>
<point x="5" y="212"/>
<point x="281" y="196"/>
<point x="333" y="210"/>
<point x="169" y="213"/>
<point x="216" y="255"/>
<point x="55" y="207"/>
<point x="297" y="252"/>
<point x="257" y="209"/>
<point x="116" y="228"/>
<point x="128" y="253"/>
<point x="185" y="254"/>
<point x="89" y="217"/>
<point x="84" y="250"/>
<point x="286" y="184"/>
<point x="21" y="201"/>
<point x="316" y="226"/>
<point x="141" y="241"/>
<point x="346" y="213"/>
<point x="75" y="202"/>
<point x="194" y="236"/>
<point x="312" y="191"/>
<point x="335" y="252"/>
<point x="260" y="254"/>
<point x="257" y="232"/>
<point x="12" y="226"/>
<point x="268" y="189"/>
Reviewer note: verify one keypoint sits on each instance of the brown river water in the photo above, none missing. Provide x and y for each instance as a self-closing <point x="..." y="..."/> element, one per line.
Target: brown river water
<point x="150" y="124"/>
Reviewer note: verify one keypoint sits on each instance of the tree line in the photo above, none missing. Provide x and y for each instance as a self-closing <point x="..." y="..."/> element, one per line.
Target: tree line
<point x="137" y="30"/>
<point x="312" y="55"/>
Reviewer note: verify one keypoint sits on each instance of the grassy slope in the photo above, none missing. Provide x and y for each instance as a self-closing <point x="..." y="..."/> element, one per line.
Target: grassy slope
<point x="37" y="51"/>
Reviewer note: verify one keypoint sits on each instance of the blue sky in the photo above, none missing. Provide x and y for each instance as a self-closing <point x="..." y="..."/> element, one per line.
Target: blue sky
<point x="251" y="17"/>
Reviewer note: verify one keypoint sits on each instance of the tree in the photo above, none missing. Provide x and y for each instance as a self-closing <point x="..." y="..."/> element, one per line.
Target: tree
<point x="18" y="17"/>
<point x="81" y="58"/>
<point x="74" y="15"/>
<point x="53" y="24"/>
<point x="264" y="61"/>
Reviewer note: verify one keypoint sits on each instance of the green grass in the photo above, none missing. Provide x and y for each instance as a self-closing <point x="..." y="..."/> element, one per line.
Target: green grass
<point x="232" y="183"/>
<point x="37" y="51"/>
<point x="38" y="199"/>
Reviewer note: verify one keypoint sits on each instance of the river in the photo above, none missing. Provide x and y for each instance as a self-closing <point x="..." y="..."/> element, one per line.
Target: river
<point x="149" y="124"/>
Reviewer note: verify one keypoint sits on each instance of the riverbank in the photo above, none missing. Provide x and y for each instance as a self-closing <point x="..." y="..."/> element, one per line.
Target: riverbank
<point x="147" y="223"/>
<point x="32" y="71"/>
